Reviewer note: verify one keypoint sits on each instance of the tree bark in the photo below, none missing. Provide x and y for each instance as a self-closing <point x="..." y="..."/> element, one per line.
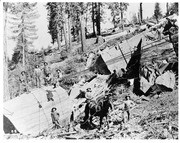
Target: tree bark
<point x="122" y="22"/>
<point x="93" y="19"/>
<point x="83" y="39"/>
<point x="23" y="44"/>
<point x="6" y="85"/>
<point x="69" y="32"/>
<point x="167" y="9"/>
<point x="58" y="39"/>
<point x="141" y="16"/>
<point x="98" y="20"/>
<point x="65" y="35"/>
<point x="61" y="34"/>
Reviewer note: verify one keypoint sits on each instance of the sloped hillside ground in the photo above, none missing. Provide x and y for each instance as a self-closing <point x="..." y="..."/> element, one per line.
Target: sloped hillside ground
<point x="156" y="118"/>
<point x="150" y="118"/>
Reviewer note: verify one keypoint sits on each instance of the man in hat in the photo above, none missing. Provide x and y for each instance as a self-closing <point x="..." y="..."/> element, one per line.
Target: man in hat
<point x="128" y="104"/>
<point x="48" y="79"/>
<point x="55" y="117"/>
<point x="37" y="74"/>
<point x="23" y="82"/>
<point x="88" y="93"/>
<point x="58" y="78"/>
<point x="46" y="72"/>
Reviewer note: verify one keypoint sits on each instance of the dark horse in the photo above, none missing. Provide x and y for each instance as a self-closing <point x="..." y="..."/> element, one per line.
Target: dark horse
<point x="169" y="29"/>
<point x="97" y="108"/>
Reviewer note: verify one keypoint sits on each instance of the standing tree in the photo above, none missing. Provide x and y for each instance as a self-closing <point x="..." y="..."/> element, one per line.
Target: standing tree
<point x="118" y="9"/>
<point x="78" y="13"/>
<point x="93" y="18"/>
<point x="82" y="21"/>
<point x="114" y="12"/>
<point x="167" y="9"/>
<point x="141" y="15"/>
<point x="98" y="18"/>
<point x="134" y="19"/>
<point x="157" y="12"/>
<point x="23" y="29"/>
<point x="56" y="18"/>
<point x="6" y="8"/>
<point x="68" y="11"/>
<point x="174" y="8"/>
<point x="123" y="7"/>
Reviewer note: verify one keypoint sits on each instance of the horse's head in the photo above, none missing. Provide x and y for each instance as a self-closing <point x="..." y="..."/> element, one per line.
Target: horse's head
<point x="81" y="94"/>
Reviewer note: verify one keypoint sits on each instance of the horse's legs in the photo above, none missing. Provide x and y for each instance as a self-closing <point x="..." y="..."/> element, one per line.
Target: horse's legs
<point x="100" y="122"/>
<point x="90" y="120"/>
<point x="107" y="122"/>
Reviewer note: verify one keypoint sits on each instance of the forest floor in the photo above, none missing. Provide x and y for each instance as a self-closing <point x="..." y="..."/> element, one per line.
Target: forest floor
<point x="150" y="118"/>
<point x="155" y="118"/>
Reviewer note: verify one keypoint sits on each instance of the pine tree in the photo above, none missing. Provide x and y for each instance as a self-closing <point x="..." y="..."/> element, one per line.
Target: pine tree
<point x="134" y="19"/>
<point x="56" y="21"/>
<point x="23" y="29"/>
<point x="118" y="9"/>
<point x="157" y="12"/>
<point x="174" y="8"/>
<point x="140" y="11"/>
<point x="123" y="7"/>
<point x="6" y="8"/>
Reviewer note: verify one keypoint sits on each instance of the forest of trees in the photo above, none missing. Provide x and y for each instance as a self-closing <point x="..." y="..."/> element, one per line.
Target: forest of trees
<point x="67" y="21"/>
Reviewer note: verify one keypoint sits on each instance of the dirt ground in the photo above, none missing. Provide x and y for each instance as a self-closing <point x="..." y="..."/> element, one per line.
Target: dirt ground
<point x="155" y="118"/>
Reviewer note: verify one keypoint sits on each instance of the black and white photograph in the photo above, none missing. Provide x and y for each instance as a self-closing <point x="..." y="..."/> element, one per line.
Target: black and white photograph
<point x="89" y="70"/>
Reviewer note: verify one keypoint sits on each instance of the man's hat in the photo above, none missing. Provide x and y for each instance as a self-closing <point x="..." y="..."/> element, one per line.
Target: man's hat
<point x="88" y="90"/>
<point x="53" y="109"/>
<point x="127" y="96"/>
<point x="45" y="63"/>
<point x="23" y="72"/>
<point x="58" y="70"/>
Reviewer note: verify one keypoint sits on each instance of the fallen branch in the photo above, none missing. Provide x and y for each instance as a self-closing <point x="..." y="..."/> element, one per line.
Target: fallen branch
<point x="64" y="134"/>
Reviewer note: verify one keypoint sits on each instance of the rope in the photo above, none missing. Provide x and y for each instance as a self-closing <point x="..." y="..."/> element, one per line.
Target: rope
<point x="39" y="120"/>
<point x="45" y="117"/>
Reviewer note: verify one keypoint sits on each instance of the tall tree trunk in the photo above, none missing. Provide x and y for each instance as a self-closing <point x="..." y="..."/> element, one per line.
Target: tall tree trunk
<point x="6" y="85"/>
<point x="167" y="9"/>
<point x="98" y="20"/>
<point x="83" y="39"/>
<point x="65" y="35"/>
<point x="69" y="32"/>
<point x="93" y="19"/>
<point x="58" y="39"/>
<point x="122" y="22"/>
<point x="61" y="34"/>
<point x="141" y="16"/>
<point x="23" y="42"/>
<point x="77" y="29"/>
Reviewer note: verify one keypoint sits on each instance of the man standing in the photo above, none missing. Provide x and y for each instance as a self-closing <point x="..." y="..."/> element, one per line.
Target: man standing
<point x="46" y="72"/>
<point x="128" y="104"/>
<point x="23" y="82"/>
<point x="37" y="74"/>
<point x="57" y="78"/>
<point x="55" y="117"/>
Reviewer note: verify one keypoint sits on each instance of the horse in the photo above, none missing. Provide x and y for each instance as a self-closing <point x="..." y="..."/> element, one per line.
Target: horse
<point x="97" y="108"/>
